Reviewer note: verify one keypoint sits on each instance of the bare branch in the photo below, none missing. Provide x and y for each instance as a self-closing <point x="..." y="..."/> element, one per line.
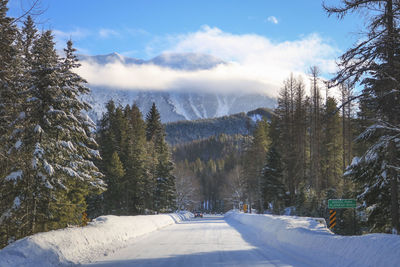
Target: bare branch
<point x="26" y="13"/>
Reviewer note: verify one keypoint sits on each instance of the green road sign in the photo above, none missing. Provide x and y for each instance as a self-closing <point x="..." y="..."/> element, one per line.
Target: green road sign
<point x="341" y="203"/>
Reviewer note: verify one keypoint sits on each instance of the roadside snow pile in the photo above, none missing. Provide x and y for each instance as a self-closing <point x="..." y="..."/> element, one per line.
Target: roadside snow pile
<point x="83" y="244"/>
<point x="313" y="239"/>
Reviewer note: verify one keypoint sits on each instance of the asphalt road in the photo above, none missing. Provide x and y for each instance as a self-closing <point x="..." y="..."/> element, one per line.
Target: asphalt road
<point x="208" y="241"/>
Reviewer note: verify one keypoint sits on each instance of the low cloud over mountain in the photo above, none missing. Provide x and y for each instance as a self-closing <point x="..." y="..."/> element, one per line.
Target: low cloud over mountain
<point x="239" y="63"/>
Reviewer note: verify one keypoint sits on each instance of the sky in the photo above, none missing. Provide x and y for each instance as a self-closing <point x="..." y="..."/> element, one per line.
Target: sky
<point x="263" y="40"/>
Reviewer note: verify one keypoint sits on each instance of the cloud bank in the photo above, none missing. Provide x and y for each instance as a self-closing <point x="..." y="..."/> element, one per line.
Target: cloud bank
<point x="255" y="64"/>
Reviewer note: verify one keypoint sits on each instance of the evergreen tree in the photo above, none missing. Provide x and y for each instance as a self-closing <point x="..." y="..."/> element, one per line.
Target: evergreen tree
<point x="315" y="130"/>
<point x="273" y="188"/>
<point x="11" y="85"/>
<point x="377" y="171"/>
<point x="254" y="161"/>
<point x="162" y="166"/>
<point x="331" y="152"/>
<point x="115" y="172"/>
<point x="291" y="129"/>
<point x="300" y="134"/>
<point x="110" y="139"/>
<point x="147" y="183"/>
<point x="51" y="170"/>
<point x="136" y="172"/>
<point x="16" y="110"/>
<point x="153" y="123"/>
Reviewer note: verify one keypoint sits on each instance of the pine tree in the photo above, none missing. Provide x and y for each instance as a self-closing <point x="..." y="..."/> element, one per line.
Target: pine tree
<point x="291" y="132"/>
<point x="300" y="134"/>
<point x="111" y="137"/>
<point x="162" y="166"/>
<point x="136" y="173"/>
<point x="331" y="152"/>
<point x="114" y="173"/>
<point x="315" y="130"/>
<point x="13" y="86"/>
<point x="52" y="169"/>
<point x="254" y="161"/>
<point x="8" y="81"/>
<point x="347" y="125"/>
<point x="153" y="123"/>
<point x="375" y="61"/>
<point x="273" y="188"/>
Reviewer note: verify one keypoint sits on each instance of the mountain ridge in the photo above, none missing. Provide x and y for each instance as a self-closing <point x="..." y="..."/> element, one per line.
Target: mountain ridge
<point x="173" y="105"/>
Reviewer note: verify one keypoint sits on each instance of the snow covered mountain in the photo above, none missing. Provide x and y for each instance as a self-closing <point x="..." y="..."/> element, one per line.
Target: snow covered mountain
<point x="174" y="105"/>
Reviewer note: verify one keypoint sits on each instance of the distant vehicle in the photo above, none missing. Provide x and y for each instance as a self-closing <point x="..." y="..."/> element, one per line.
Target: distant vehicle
<point x="198" y="214"/>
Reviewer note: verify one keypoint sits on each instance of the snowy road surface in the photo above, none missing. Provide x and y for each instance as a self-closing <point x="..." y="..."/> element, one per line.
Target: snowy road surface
<point x="208" y="241"/>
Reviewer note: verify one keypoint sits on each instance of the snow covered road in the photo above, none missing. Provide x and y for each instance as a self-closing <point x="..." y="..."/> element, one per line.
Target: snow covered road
<point x="237" y="239"/>
<point x="210" y="241"/>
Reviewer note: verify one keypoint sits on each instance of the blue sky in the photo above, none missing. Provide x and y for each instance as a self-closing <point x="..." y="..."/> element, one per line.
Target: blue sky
<point x="263" y="40"/>
<point x="130" y="26"/>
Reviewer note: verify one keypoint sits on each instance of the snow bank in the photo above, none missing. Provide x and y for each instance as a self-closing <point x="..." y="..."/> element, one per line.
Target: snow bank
<point x="83" y="244"/>
<point x="313" y="239"/>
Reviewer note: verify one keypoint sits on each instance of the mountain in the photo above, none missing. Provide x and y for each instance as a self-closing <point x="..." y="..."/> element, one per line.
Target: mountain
<point x="186" y="61"/>
<point x="237" y="124"/>
<point x="178" y="61"/>
<point x="174" y="105"/>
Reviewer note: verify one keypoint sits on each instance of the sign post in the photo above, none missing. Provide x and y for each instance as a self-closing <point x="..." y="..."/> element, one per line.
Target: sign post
<point x="340" y="204"/>
<point x="332" y="218"/>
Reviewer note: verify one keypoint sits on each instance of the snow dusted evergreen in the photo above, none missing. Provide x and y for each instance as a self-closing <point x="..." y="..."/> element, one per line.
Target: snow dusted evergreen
<point x="375" y="61"/>
<point x="48" y="147"/>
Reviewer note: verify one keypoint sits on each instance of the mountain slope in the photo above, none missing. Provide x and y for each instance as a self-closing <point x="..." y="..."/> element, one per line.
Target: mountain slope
<point x="241" y="123"/>
<point x="174" y="105"/>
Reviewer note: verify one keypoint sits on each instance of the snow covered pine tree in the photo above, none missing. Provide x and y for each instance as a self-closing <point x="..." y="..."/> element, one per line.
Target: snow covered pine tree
<point x="51" y="169"/>
<point x="375" y="61"/>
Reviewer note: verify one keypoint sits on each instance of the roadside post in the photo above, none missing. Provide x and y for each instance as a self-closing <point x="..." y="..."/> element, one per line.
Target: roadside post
<point x="332" y="218"/>
<point x="340" y="204"/>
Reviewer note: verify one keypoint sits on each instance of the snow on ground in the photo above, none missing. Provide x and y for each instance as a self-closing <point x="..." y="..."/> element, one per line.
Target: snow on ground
<point x="311" y="237"/>
<point x="104" y="235"/>
<point x="237" y="239"/>
<point x="256" y="117"/>
<point x="211" y="241"/>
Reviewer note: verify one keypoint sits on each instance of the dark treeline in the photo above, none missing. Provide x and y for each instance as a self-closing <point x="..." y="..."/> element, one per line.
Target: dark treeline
<point x="308" y="152"/>
<point x="187" y="131"/>
<point x="209" y="167"/>
<point x="136" y="164"/>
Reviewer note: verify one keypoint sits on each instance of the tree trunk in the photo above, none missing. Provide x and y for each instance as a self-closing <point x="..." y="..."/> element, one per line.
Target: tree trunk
<point x="393" y="119"/>
<point x="394" y="189"/>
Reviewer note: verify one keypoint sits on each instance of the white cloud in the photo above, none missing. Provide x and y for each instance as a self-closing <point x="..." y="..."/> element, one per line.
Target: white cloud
<point x="255" y="63"/>
<point x="273" y="19"/>
<point x="222" y="78"/>
<point x="78" y="33"/>
<point x="107" y="33"/>
<point x="61" y="38"/>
